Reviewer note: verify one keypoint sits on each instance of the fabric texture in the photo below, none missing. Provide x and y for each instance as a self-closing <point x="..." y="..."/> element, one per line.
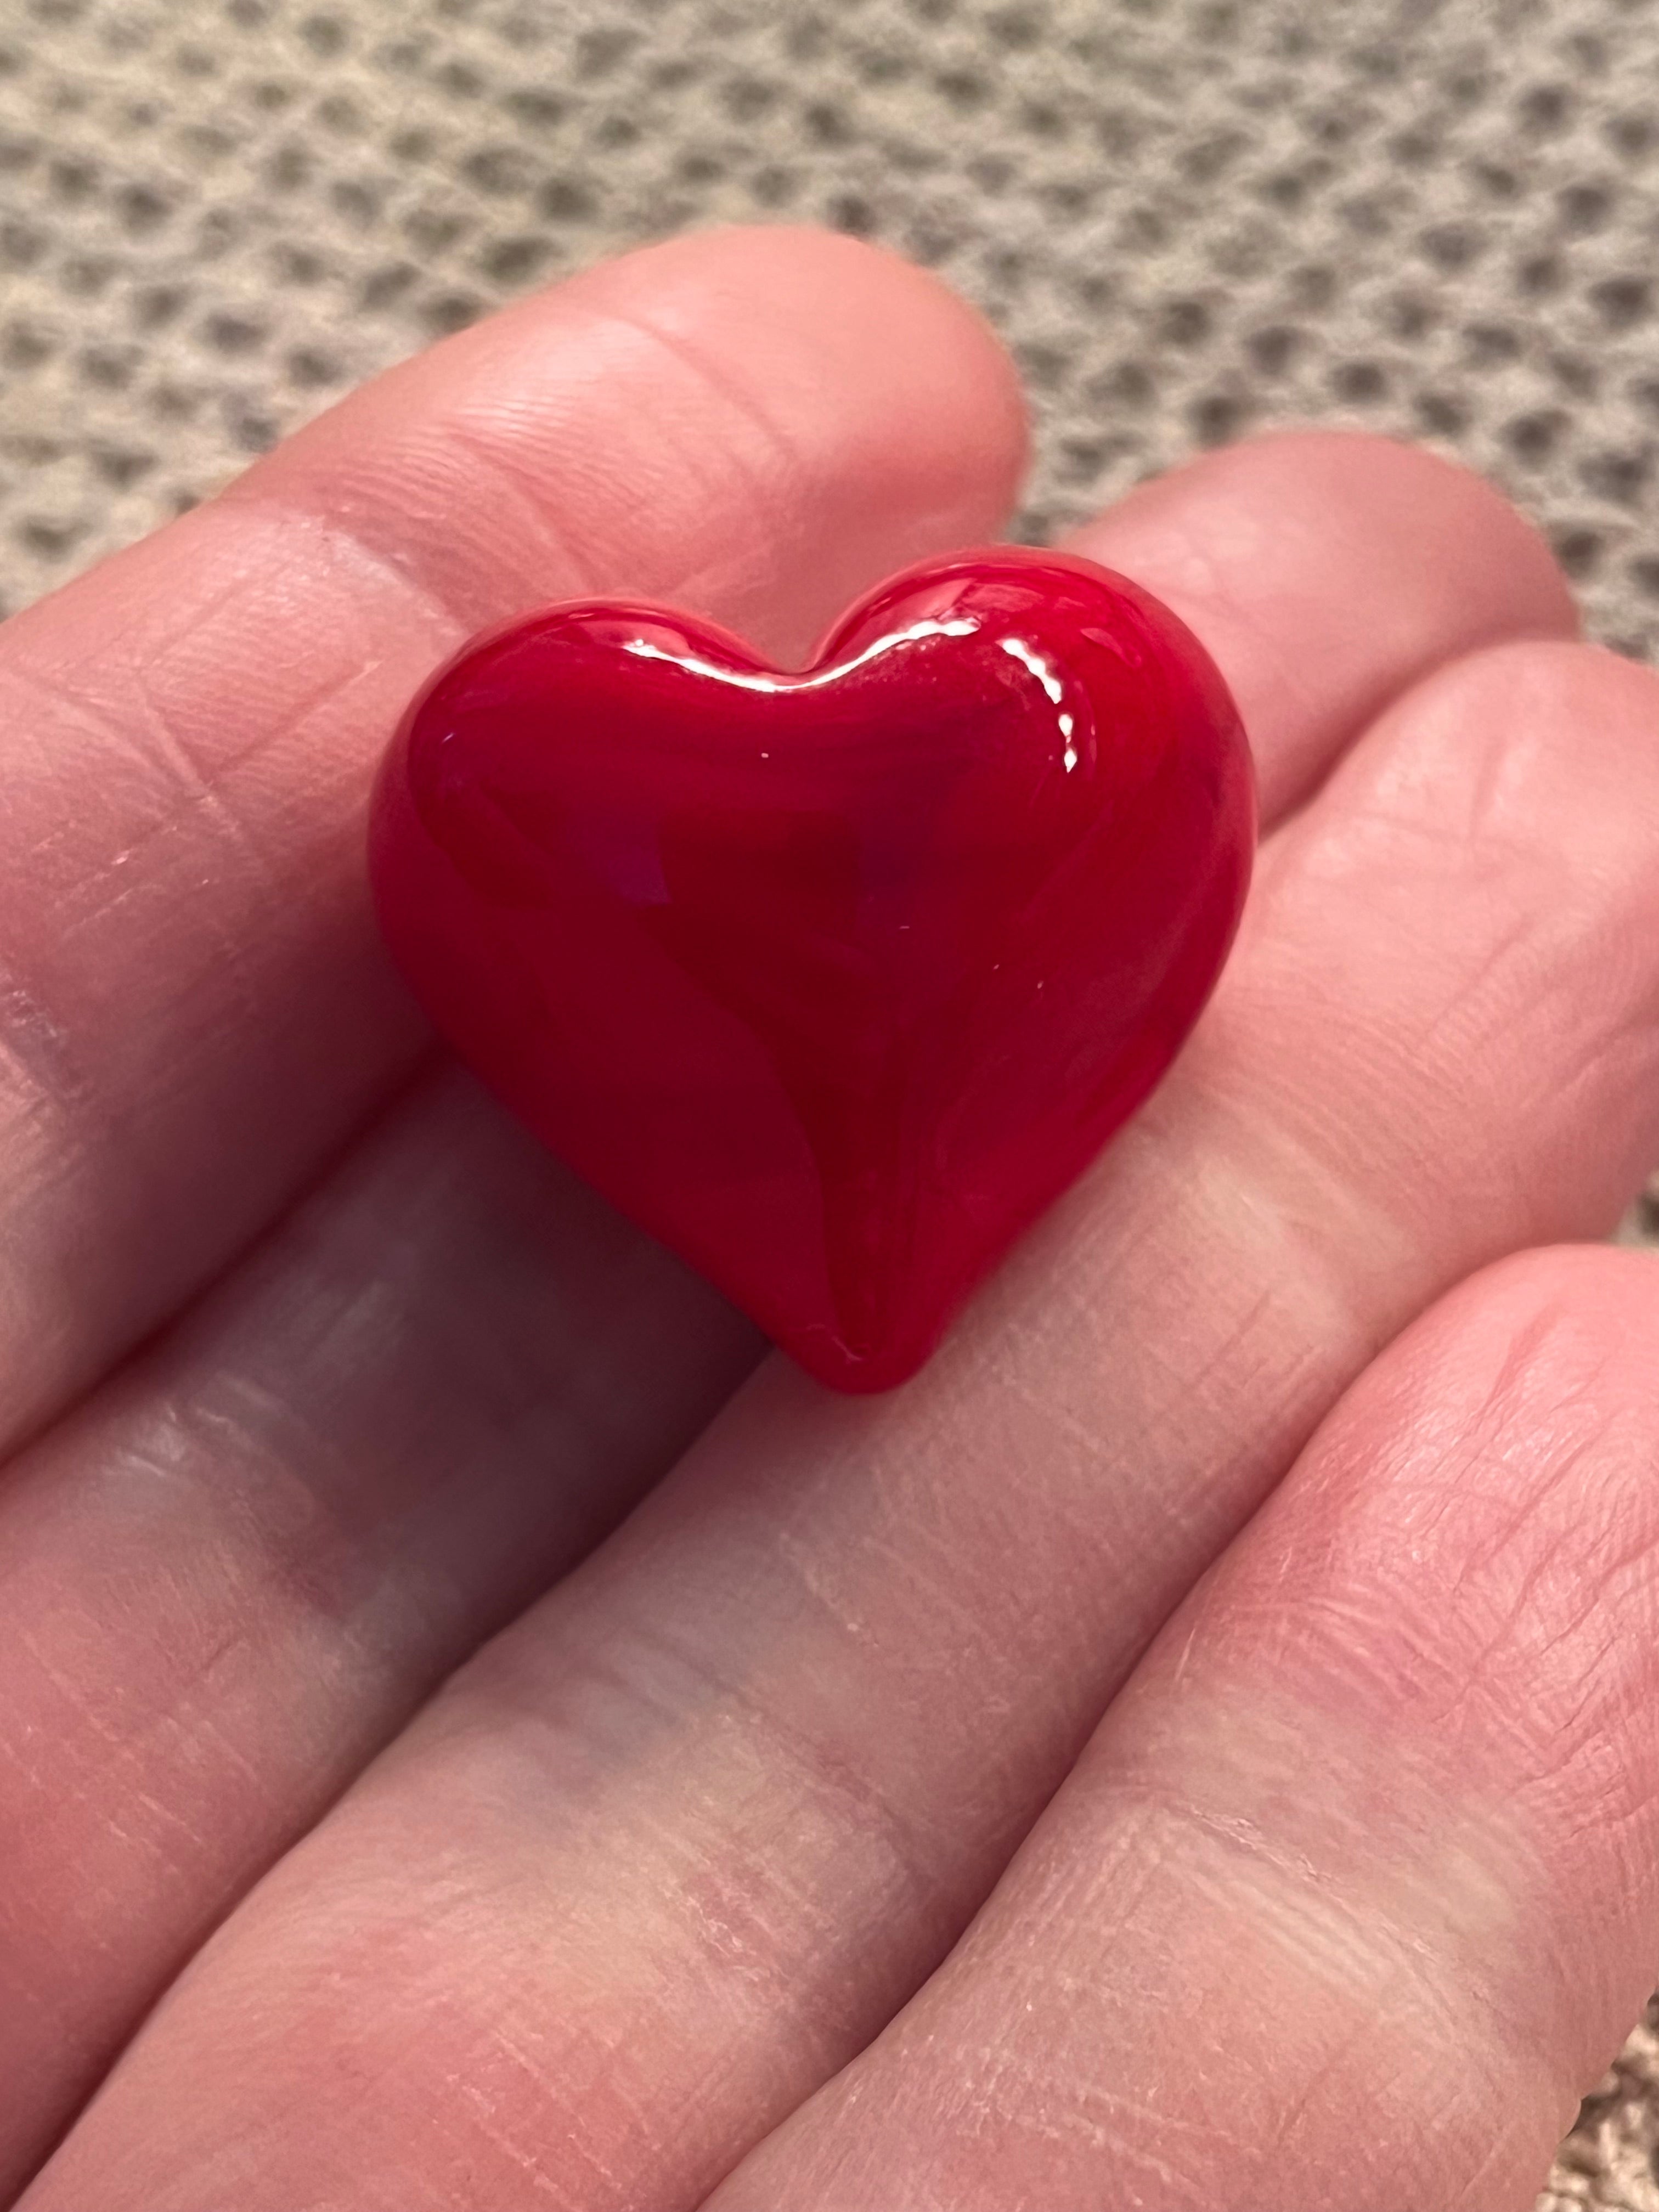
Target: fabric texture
<point x="1190" y="217"/>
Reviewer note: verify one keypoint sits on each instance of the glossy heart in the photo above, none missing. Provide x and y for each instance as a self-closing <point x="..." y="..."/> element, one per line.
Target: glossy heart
<point x="834" y="979"/>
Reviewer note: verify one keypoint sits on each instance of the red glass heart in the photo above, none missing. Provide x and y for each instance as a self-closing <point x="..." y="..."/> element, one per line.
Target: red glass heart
<point x="834" y="979"/>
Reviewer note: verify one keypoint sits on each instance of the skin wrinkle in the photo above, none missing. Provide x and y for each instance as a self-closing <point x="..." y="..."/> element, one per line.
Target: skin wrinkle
<point x="156" y="1842"/>
<point x="367" y="518"/>
<point x="336" y="1559"/>
<point x="744" y="403"/>
<point x="217" y="1632"/>
<point x="268" y="522"/>
<point x="829" y="1781"/>
<point x="325" y="1562"/>
<point x="228" y="955"/>
<point x="572" y="2059"/>
<point x="38" y="1043"/>
<point x="1445" y="1076"/>
<point x="1480" y="816"/>
<point x="1350" y="2056"/>
<point x="68" y="706"/>
<point x="82" y="1149"/>
<point x="526" y="2162"/>
<point x="1627" y="1038"/>
<point x="1243" y="1159"/>
<point x="38" y="1055"/>
<point x="1296" y="1620"/>
<point x="1479" y="2192"/>
<point x="1554" y="1740"/>
<point x="199" y="790"/>
<point x="529" y="523"/>
<point x="772" y="1869"/>
<point x="1503" y="1622"/>
<point x="1364" y="1940"/>
<point x="1360" y="1642"/>
<point x="68" y="695"/>
<point x="1032" y="2097"/>
<point x="1481" y="1444"/>
<point x="1454" y="1033"/>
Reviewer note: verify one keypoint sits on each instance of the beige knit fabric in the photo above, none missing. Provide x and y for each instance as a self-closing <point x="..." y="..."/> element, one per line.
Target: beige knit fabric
<point x="1190" y="216"/>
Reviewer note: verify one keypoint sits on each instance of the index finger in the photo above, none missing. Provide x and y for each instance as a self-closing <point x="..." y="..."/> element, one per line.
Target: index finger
<point x="194" y="1009"/>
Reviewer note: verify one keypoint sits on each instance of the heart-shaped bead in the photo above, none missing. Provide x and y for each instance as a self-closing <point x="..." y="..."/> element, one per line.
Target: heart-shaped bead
<point x="832" y="979"/>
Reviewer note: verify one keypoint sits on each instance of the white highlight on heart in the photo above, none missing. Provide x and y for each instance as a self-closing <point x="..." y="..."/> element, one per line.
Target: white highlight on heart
<point x="643" y="649"/>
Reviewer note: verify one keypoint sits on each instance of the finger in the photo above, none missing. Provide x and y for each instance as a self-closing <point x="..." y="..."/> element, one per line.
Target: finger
<point x="678" y="1843"/>
<point x="229" y="1582"/>
<point x="194" y="1011"/>
<point x="1374" y="1829"/>
<point x="366" y="1473"/>
<point x="1276" y="569"/>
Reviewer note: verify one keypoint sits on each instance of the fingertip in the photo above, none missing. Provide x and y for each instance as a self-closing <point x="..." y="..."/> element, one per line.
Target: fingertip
<point x="870" y="307"/>
<point x="1328" y="571"/>
<point x="1390" y="484"/>
<point x="901" y="406"/>
<point x="802" y="413"/>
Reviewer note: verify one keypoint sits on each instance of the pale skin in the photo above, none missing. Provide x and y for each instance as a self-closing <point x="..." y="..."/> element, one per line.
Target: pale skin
<point x="1196" y="1747"/>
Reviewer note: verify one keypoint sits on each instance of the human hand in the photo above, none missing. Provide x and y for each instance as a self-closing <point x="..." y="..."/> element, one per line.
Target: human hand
<point x="320" y="1374"/>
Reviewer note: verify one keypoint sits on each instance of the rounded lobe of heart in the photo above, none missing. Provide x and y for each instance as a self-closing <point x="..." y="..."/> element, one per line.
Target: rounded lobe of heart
<point x="831" y="979"/>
